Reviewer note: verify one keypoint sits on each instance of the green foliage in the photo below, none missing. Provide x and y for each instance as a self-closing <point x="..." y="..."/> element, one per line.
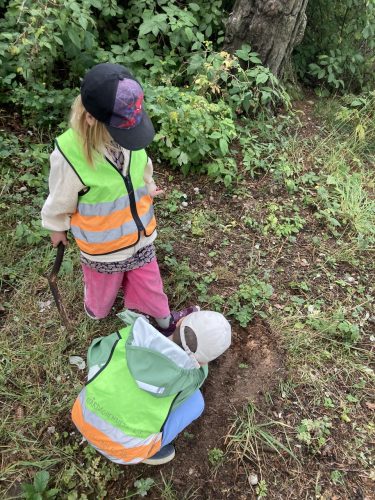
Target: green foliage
<point x="38" y="490"/>
<point x="251" y="296"/>
<point x="314" y="433"/>
<point x="281" y="225"/>
<point x="338" y="49"/>
<point x="143" y="486"/>
<point x="42" y="107"/>
<point x="191" y="130"/>
<point x="215" y="457"/>
<point x="246" y="90"/>
<point x="261" y="489"/>
<point x="24" y="167"/>
<point x="336" y="327"/>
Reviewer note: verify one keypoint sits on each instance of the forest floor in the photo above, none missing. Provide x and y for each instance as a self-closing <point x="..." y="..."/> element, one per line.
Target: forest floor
<point x="289" y="407"/>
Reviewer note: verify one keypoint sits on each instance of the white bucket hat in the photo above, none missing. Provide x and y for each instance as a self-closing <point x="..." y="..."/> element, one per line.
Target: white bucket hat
<point x="212" y="331"/>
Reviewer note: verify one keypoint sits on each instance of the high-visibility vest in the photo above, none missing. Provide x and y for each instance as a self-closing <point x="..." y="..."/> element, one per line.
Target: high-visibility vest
<point x="122" y="421"/>
<point x="115" y="209"/>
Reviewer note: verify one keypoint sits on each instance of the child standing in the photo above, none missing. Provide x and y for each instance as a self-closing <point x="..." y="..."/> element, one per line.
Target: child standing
<point x="101" y="188"/>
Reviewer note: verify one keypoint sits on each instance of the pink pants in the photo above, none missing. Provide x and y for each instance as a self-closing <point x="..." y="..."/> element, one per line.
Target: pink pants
<point x="143" y="291"/>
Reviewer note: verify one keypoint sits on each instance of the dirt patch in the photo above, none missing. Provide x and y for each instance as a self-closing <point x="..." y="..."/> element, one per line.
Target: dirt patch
<point x="252" y="366"/>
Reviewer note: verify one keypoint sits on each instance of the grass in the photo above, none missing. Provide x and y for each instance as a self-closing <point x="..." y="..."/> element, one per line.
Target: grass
<point x="311" y="281"/>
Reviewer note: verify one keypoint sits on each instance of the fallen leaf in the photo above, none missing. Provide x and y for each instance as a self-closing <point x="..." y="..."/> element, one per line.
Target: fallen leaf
<point x="370" y="406"/>
<point x="43" y="306"/>
<point x="78" y="362"/>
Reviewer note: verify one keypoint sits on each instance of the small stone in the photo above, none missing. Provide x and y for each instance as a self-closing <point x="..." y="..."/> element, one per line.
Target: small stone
<point x="253" y="479"/>
<point x="196" y="190"/>
<point x="184" y="196"/>
<point x="22" y="189"/>
<point x="184" y="204"/>
<point x="209" y="263"/>
<point x="51" y="429"/>
<point x="212" y="198"/>
<point x="349" y="279"/>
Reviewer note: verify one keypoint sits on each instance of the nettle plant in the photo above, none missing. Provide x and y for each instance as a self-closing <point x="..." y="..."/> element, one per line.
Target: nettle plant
<point x="191" y="130"/>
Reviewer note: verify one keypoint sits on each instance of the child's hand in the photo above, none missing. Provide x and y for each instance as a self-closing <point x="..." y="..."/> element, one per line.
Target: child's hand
<point x="156" y="192"/>
<point x="58" y="237"/>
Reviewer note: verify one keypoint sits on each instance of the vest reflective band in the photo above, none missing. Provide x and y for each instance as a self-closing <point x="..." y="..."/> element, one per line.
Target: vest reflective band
<point x="115" y="209"/>
<point x="119" y="419"/>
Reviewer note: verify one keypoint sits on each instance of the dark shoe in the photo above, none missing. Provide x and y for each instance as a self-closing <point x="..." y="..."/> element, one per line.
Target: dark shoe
<point x="164" y="455"/>
<point x="175" y="318"/>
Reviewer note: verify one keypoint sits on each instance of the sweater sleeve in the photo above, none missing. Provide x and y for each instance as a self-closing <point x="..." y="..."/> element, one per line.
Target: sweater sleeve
<point x="64" y="186"/>
<point x="148" y="178"/>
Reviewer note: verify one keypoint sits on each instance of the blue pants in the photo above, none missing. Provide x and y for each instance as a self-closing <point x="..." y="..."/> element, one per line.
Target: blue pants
<point x="183" y="416"/>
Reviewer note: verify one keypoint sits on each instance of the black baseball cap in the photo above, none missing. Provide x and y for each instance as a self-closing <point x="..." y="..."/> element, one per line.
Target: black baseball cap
<point x="112" y="95"/>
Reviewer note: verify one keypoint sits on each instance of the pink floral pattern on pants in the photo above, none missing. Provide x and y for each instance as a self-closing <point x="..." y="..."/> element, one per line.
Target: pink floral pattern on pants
<point x="142" y="287"/>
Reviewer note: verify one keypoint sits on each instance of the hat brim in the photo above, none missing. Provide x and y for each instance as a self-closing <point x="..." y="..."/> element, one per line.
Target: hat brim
<point x="135" y="138"/>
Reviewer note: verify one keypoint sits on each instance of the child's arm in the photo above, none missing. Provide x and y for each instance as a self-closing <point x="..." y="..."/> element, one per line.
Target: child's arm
<point x="149" y="180"/>
<point x="64" y="186"/>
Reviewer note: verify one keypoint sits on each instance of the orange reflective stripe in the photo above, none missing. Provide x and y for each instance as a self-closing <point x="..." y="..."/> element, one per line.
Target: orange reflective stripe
<point x="105" y="444"/>
<point x="101" y="222"/>
<point x="151" y="226"/>
<point x="101" y="248"/>
<point x="143" y="204"/>
<point x="110" y="221"/>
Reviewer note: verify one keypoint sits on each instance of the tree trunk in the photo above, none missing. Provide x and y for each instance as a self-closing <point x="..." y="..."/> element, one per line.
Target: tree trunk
<point x="272" y="28"/>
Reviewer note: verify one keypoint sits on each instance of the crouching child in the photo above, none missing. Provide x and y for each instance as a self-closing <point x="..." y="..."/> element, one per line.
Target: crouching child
<point x="143" y="388"/>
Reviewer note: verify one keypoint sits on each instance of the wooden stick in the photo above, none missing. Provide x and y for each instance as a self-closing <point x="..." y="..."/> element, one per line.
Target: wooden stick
<point x="52" y="280"/>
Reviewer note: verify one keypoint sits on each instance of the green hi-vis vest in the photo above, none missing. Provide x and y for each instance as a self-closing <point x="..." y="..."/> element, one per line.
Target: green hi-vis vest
<point x="115" y="396"/>
<point x="115" y="209"/>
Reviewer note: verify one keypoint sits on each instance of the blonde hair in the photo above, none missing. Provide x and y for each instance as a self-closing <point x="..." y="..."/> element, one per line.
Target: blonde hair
<point x="95" y="138"/>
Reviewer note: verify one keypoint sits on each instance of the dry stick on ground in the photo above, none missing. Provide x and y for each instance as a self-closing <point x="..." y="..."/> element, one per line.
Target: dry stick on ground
<point x="52" y="280"/>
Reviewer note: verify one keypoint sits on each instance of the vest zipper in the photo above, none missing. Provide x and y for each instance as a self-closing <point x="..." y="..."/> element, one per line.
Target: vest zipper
<point x="130" y="189"/>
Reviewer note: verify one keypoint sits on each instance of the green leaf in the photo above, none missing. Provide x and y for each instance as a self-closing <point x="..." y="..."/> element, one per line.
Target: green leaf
<point x="41" y="480"/>
<point x="194" y="7"/>
<point x="52" y="493"/>
<point x="73" y="35"/>
<point x="242" y="54"/>
<point x="189" y="33"/>
<point x="223" y="146"/>
<point x="261" y="78"/>
<point x="28" y="489"/>
<point x="83" y="22"/>
<point x="255" y="60"/>
<point x="183" y="158"/>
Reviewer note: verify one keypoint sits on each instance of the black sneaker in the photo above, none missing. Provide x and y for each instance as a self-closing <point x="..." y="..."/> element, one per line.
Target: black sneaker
<point x="163" y="456"/>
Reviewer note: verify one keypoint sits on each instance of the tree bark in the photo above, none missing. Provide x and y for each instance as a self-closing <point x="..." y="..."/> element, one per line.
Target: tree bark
<point x="272" y="28"/>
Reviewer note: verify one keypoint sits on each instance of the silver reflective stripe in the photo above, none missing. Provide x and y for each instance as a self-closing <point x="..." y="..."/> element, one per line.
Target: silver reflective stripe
<point x="104" y="208"/>
<point x="150" y="388"/>
<point x="112" y="234"/>
<point x="112" y="432"/>
<point x="107" y="207"/>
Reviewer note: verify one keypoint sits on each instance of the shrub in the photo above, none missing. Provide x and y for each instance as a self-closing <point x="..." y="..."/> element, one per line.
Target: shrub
<point x="338" y="49"/>
<point x="191" y="130"/>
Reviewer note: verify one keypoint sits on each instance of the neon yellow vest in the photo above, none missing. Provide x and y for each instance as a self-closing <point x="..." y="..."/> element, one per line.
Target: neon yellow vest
<point x="114" y="396"/>
<point x="115" y="209"/>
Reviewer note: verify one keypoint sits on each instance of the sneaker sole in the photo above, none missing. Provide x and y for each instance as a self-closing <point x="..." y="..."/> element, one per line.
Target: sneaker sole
<point x="159" y="461"/>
